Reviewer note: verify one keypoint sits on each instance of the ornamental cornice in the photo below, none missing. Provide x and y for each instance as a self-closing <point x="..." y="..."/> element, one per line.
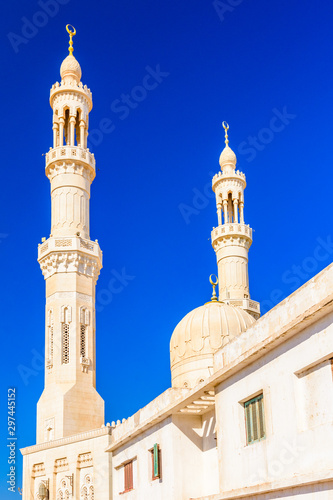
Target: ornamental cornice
<point x="228" y="184"/>
<point x="229" y="241"/>
<point x="71" y="89"/>
<point x="82" y="436"/>
<point x="70" y="159"/>
<point x="222" y="177"/>
<point x="68" y="262"/>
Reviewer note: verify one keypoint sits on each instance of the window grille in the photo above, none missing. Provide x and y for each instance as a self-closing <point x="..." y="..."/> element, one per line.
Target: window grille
<point x="255" y="419"/>
<point x="65" y="343"/>
<point x="128" y="476"/>
<point x="83" y="340"/>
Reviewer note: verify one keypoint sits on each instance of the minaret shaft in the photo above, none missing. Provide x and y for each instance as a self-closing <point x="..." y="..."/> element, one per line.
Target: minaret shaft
<point x="70" y="263"/>
<point x="232" y="238"/>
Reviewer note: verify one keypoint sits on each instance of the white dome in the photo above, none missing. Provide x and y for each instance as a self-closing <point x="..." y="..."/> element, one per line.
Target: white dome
<point x="199" y="335"/>
<point x="228" y="156"/>
<point x="70" y="70"/>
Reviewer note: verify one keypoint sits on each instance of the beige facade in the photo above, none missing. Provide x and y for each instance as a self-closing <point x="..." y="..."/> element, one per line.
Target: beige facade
<point x="250" y="411"/>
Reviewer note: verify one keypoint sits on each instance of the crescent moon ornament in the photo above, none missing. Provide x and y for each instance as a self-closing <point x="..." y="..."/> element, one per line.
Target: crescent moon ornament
<point x="213" y="279"/>
<point x="70" y="29"/>
<point x="226" y="128"/>
<point x="72" y="32"/>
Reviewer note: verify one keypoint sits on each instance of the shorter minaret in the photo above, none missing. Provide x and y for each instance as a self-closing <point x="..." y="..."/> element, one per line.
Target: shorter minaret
<point x="232" y="238"/>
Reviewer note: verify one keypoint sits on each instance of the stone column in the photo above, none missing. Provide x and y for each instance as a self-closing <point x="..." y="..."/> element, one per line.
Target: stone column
<point x="55" y="129"/>
<point x="61" y="131"/>
<point x="71" y="130"/>
<point x="225" y="211"/>
<point x="241" y="208"/>
<point x="219" y="214"/>
<point x="236" y="211"/>
<point x="82" y="134"/>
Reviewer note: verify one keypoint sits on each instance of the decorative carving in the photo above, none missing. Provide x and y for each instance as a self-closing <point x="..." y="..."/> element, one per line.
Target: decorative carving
<point x="68" y="262"/>
<point x="49" y="364"/>
<point x="87" y="488"/>
<point x="63" y="242"/>
<point x="38" y="469"/>
<point x="85" y="363"/>
<point x="61" y="465"/>
<point x="44" y="248"/>
<point x="86" y="244"/>
<point x="84" y="460"/>
<point x="64" y="492"/>
<point x="49" y="429"/>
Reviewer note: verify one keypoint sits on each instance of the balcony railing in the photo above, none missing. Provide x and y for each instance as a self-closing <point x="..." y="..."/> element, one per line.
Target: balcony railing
<point x="70" y="152"/>
<point x="233" y="228"/>
<point x="55" y="244"/>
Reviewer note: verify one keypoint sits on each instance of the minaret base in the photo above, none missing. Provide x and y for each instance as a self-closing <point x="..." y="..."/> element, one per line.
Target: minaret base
<point x="67" y="409"/>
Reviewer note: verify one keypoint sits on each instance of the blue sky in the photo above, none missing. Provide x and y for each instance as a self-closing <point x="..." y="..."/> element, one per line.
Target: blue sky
<point x="265" y="67"/>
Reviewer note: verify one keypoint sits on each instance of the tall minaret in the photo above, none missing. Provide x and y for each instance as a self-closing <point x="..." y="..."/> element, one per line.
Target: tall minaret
<point x="232" y="238"/>
<point x="70" y="263"/>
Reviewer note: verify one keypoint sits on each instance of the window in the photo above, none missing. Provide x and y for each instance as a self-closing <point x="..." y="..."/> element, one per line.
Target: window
<point x="65" y="343"/>
<point x="83" y="341"/>
<point x="254" y="419"/>
<point x="156" y="469"/>
<point x="128" y="476"/>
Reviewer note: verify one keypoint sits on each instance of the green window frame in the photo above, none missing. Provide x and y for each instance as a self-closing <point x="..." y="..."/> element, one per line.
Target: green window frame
<point x="255" y="419"/>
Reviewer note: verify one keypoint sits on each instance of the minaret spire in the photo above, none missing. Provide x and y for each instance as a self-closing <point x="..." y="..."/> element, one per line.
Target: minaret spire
<point x="226" y="128"/>
<point x="232" y="238"/>
<point x="70" y="263"/>
<point x="72" y="32"/>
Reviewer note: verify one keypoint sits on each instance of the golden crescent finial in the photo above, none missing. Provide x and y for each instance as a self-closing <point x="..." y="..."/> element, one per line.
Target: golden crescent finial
<point x="72" y="32"/>
<point x="226" y="128"/>
<point x="213" y="283"/>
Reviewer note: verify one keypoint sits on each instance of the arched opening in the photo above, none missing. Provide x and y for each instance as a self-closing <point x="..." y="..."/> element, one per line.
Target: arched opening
<point x="230" y="209"/>
<point x="66" y="127"/>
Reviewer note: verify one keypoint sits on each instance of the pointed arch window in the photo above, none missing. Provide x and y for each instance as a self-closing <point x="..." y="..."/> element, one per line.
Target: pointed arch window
<point x="66" y="317"/>
<point x="84" y="322"/>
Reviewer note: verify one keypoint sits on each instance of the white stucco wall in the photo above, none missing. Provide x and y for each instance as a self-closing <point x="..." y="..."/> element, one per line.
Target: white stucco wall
<point x="296" y="381"/>
<point x="188" y="455"/>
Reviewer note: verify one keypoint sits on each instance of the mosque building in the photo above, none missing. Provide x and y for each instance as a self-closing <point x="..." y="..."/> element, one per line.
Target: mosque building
<point x="250" y="410"/>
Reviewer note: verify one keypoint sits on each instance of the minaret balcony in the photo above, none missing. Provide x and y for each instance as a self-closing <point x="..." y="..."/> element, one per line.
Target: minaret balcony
<point x="236" y="176"/>
<point x="70" y="153"/>
<point x="251" y="306"/>
<point x="70" y="244"/>
<point x="232" y="229"/>
<point x="72" y="89"/>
